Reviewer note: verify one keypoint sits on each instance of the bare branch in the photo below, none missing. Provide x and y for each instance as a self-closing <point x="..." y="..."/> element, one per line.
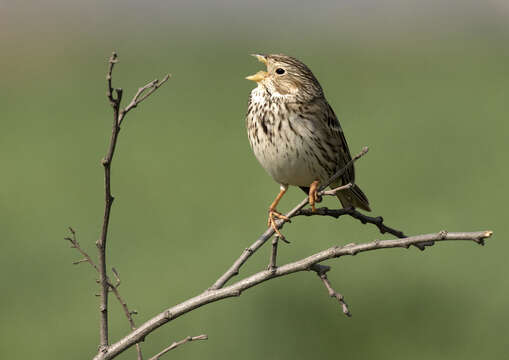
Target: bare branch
<point x="333" y="192"/>
<point x="117" y="277"/>
<point x="114" y="288"/>
<point x="340" y="173"/>
<point x="246" y="254"/>
<point x="321" y="271"/>
<point x="337" y="213"/>
<point x="128" y="314"/>
<point x="273" y="254"/>
<point x="111" y="63"/>
<point x="118" y="116"/>
<point x="141" y="96"/>
<point x="305" y="264"/>
<point x="219" y="290"/>
<point x="74" y="244"/>
<point x="378" y="221"/>
<point x="177" y="344"/>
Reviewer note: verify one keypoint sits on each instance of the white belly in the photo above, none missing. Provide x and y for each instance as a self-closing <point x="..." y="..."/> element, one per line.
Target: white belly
<point x="287" y="150"/>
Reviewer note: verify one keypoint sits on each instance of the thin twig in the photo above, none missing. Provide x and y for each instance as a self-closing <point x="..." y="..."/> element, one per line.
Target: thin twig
<point x="321" y="271"/>
<point x="111" y="63"/>
<point x="75" y="245"/>
<point x="141" y="96"/>
<point x="378" y="221"/>
<point x="128" y="314"/>
<point x="113" y="287"/>
<point x="273" y="254"/>
<point x="340" y="173"/>
<point x="108" y="201"/>
<point x="246" y="254"/>
<point x="305" y="264"/>
<point x="118" y="117"/>
<point x="333" y="192"/>
<point x="178" y="343"/>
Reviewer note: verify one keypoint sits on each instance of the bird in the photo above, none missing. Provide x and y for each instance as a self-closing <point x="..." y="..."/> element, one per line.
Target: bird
<point x="295" y="134"/>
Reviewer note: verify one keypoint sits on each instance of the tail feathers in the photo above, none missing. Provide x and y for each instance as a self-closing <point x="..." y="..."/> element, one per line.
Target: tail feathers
<point x="354" y="197"/>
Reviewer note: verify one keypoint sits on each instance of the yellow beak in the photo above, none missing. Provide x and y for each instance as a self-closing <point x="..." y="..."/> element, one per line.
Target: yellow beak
<point x="261" y="58"/>
<point x="259" y="76"/>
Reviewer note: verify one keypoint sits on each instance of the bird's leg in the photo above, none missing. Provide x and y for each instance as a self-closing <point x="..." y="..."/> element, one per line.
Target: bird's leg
<point x="313" y="194"/>
<point x="273" y="213"/>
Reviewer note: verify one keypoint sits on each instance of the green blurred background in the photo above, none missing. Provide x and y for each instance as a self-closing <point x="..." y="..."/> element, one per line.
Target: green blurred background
<point x="424" y="84"/>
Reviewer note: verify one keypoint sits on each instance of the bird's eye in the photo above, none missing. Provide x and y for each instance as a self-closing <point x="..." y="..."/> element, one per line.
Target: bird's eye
<point x="280" y="71"/>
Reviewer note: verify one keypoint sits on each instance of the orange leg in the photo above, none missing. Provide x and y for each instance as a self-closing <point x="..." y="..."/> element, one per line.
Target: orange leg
<point x="313" y="197"/>
<point x="273" y="213"/>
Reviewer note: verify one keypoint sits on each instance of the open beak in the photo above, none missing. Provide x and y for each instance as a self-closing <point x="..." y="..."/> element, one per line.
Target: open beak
<point x="261" y="58"/>
<point x="260" y="75"/>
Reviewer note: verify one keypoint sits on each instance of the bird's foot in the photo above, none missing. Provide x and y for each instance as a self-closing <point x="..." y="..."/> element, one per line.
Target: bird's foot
<point x="271" y="222"/>
<point x="313" y="194"/>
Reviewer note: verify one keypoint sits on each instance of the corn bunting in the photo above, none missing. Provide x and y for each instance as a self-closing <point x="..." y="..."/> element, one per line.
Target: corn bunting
<point x="295" y="134"/>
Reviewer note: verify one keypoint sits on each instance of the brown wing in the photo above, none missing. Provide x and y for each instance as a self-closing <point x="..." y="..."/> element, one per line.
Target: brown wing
<point x="338" y="137"/>
<point x="337" y="148"/>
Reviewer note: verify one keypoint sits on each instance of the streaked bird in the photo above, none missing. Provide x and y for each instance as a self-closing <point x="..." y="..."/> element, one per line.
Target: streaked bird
<point x="295" y="134"/>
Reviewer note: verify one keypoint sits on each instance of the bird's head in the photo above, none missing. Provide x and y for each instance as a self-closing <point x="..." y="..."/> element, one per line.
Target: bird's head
<point x="287" y="77"/>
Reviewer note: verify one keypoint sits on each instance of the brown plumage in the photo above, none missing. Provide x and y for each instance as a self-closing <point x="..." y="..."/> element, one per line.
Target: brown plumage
<point x="294" y="132"/>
